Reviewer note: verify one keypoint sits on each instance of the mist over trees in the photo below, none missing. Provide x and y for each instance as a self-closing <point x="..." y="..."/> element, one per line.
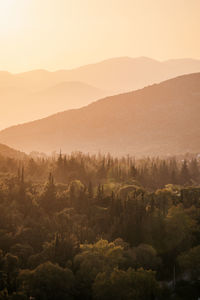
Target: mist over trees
<point x="98" y="227"/>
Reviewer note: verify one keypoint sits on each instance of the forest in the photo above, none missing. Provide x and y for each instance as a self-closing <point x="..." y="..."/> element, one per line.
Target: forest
<point x="99" y="227"/>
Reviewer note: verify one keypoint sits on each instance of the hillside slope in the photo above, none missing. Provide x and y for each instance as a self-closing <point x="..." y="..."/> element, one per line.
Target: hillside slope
<point x="39" y="93"/>
<point x="34" y="105"/>
<point x="159" y="119"/>
<point x="6" y="151"/>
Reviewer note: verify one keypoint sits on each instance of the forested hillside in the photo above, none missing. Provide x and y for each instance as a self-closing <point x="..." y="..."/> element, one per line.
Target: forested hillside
<point x="99" y="150"/>
<point x="98" y="227"/>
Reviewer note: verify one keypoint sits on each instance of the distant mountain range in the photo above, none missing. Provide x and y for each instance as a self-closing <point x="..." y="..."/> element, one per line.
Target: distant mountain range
<point x="38" y="93"/>
<point x="115" y="74"/>
<point x="157" y="120"/>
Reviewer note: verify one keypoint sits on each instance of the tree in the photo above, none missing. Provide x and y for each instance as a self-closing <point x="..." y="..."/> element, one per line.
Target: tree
<point x="143" y="256"/>
<point x="194" y="169"/>
<point x="95" y="258"/>
<point x="190" y="262"/>
<point x="22" y="252"/>
<point x="11" y="269"/>
<point x="184" y="174"/>
<point x="163" y="200"/>
<point x="125" y="285"/>
<point x="48" y="198"/>
<point x="47" y="282"/>
<point x="179" y="229"/>
<point x="61" y="249"/>
<point x="178" y="237"/>
<point x="75" y="189"/>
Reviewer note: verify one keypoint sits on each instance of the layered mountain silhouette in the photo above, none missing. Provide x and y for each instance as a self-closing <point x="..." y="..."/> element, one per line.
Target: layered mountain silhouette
<point x="36" y="94"/>
<point x="157" y="120"/>
<point x="115" y="74"/>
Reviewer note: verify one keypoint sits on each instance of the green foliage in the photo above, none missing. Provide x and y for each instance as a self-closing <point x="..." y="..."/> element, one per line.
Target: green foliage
<point x="179" y="228"/>
<point x="143" y="256"/>
<point x="190" y="262"/>
<point x="47" y="281"/>
<point x="99" y="227"/>
<point x="123" y="285"/>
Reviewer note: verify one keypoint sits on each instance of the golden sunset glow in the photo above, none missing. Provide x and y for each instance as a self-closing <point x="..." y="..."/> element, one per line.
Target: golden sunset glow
<point x="12" y="17"/>
<point x="136" y="37"/>
<point x="99" y="149"/>
<point x="61" y="34"/>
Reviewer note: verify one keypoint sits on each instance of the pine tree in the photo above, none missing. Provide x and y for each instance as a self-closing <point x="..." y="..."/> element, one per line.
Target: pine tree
<point x="184" y="174"/>
<point x="194" y="169"/>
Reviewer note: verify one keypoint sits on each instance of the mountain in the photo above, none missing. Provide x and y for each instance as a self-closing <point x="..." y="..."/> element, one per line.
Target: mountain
<point x="39" y="93"/>
<point x="6" y="151"/>
<point x="34" y="105"/>
<point x="158" y="119"/>
<point x="70" y="94"/>
<point x="126" y="74"/>
<point x="115" y="74"/>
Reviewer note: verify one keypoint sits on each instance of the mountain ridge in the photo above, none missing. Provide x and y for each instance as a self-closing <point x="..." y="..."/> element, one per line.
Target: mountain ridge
<point x="34" y="105"/>
<point x="30" y="92"/>
<point x="158" y="119"/>
<point x="70" y="73"/>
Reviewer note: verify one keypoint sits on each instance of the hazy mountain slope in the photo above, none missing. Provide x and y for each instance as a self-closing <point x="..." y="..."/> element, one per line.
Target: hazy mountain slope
<point x="34" y="105"/>
<point x="159" y="119"/>
<point x="6" y="151"/>
<point x="39" y="93"/>
<point x="71" y="94"/>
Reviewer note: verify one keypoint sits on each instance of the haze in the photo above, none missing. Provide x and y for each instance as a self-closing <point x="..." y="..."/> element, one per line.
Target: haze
<point x="62" y="34"/>
<point x="99" y="149"/>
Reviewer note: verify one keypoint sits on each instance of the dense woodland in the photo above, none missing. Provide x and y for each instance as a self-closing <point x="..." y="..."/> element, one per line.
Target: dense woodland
<point x="98" y="227"/>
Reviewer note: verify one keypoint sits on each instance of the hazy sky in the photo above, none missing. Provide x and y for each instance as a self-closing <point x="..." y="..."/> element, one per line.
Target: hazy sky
<point x="60" y="34"/>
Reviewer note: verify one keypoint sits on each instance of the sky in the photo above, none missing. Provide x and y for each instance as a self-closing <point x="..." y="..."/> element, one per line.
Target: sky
<point x="64" y="34"/>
